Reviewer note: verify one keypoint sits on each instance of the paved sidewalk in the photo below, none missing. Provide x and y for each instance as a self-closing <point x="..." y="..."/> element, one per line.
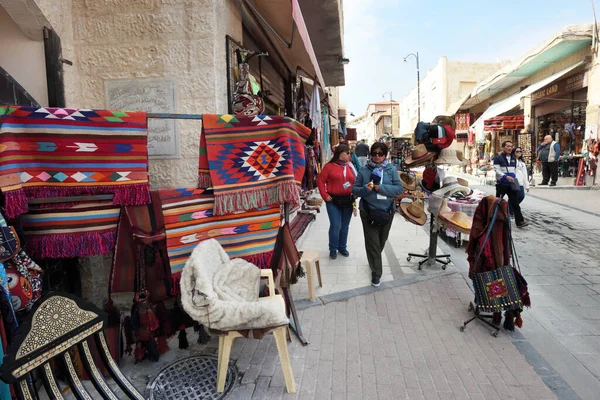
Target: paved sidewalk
<point x="400" y="343"/>
<point x="345" y="273"/>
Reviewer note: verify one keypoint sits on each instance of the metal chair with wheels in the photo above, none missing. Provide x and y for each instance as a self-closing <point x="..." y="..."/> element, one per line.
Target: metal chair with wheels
<point x="481" y="317"/>
<point x="57" y="323"/>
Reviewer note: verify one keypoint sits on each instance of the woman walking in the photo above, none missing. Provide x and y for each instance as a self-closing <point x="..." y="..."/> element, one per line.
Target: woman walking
<point x="521" y="173"/>
<point x="335" y="185"/>
<point x="377" y="184"/>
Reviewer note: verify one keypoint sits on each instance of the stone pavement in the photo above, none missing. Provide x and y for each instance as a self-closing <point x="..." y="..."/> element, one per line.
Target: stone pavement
<point x="346" y="273"/>
<point x="559" y="255"/>
<point x="402" y="340"/>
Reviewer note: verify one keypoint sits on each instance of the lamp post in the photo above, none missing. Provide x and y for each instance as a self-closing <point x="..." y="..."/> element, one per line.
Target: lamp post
<point x="416" y="56"/>
<point x="391" y="113"/>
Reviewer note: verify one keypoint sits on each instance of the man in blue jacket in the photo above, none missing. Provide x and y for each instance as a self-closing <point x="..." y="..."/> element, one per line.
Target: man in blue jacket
<point x="505" y="165"/>
<point x="548" y="154"/>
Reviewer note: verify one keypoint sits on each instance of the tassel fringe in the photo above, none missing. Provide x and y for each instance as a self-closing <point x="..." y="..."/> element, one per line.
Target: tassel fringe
<point x="15" y="203"/>
<point x="183" y="341"/>
<point x="285" y="192"/>
<point x="80" y="244"/>
<point x="204" y="180"/>
<point x="124" y="195"/>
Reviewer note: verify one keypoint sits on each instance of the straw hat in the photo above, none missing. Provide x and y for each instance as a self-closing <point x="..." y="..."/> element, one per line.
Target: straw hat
<point x="409" y="182"/>
<point x="414" y="212"/>
<point x="463" y="182"/>
<point x="450" y="186"/>
<point x="448" y="156"/>
<point x="457" y="220"/>
<point x="419" y="155"/>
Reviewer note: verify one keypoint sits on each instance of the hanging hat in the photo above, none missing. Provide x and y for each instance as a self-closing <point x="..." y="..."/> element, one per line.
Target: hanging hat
<point x="437" y="205"/>
<point x="414" y="212"/>
<point x="450" y="186"/>
<point x="448" y="156"/>
<point x="445" y="120"/>
<point x="457" y="220"/>
<point x="409" y="182"/>
<point x="428" y="183"/>
<point x="419" y="156"/>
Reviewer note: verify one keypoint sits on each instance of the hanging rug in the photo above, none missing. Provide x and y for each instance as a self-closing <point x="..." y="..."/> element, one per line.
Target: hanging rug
<point x="189" y="219"/>
<point x="58" y="152"/>
<point x="252" y="161"/>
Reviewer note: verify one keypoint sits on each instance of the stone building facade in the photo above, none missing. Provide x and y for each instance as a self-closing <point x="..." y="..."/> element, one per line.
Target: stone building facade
<point x="146" y="48"/>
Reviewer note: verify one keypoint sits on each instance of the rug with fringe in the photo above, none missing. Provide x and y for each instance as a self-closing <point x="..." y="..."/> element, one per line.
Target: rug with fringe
<point x="58" y="152"/>
<point x="251" y="162"/>
<point x="189" y="219"/>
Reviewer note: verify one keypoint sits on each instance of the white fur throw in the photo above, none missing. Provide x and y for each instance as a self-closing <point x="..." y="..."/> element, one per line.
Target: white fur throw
<point x="222" y="294"/>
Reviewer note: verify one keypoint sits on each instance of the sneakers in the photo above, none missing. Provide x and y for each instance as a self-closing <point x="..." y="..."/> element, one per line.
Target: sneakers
<point x="333" y="255"/>
<point x="522" y="224"/>
<point x="375" y="282"/>
<point x="345" y="253"/>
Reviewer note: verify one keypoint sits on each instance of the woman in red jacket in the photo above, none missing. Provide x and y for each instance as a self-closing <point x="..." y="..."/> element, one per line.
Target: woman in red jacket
<point x="335" y="185"/>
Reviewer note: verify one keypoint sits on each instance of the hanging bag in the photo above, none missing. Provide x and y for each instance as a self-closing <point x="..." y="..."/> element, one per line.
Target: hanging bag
<point x="496" y="290"/>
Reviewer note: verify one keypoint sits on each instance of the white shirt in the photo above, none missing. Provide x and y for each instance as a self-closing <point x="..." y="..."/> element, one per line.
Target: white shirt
<point x="521" y="174"/>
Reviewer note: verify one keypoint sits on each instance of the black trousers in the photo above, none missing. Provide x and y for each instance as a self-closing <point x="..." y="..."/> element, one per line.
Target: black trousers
<point x="513" y="201"/>
<point x="549" y="172"/>
<point x="375" y="238"/>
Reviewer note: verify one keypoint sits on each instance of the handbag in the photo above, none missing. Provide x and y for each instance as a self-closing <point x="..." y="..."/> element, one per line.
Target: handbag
<point x="378" y="217"/>
<point x="24" y="278"/>
<point x="9" y="243"/>
<point x="514" y="185"/>
<point x="499" y="289"/>
<point x="343" y="201"/>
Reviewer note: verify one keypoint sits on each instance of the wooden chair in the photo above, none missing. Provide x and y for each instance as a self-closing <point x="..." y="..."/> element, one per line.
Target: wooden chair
<point x="57" y="323"/>
<point x="309" y="258"/>
<point x="280" y="333"/>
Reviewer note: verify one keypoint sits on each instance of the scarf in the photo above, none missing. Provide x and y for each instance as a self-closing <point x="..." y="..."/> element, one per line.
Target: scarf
<point x="346" y="164"/>
<point x="377" y="169"/>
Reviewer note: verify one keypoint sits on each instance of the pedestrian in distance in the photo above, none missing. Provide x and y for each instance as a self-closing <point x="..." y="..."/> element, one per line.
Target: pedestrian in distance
<point x="505" y="166"/>
<point x="335" y="186"/>
<point x="362" y="152"/>
<point x="377" y="184"/>
<point x="548" y="154"/>
<point x="522" y="174"/>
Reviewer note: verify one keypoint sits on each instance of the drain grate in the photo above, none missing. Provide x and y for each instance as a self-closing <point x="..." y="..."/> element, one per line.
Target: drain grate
<point x="192" y="378"/>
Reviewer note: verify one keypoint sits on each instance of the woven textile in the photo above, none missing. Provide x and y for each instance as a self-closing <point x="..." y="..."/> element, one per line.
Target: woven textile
<point x="253" y="162"/>
<point x="78" y="229"/>
<point x="189" y="219"/>
<point x="57" y="152"/>
<point x="497" y="290"/>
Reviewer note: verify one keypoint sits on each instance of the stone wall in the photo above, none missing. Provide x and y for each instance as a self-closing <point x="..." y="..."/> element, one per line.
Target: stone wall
<point x="182" y="40"/>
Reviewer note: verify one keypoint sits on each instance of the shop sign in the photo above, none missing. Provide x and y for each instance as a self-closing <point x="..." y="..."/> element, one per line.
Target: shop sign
<point x="559" y="88"/>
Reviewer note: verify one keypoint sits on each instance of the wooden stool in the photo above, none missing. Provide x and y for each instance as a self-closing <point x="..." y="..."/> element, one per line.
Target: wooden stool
<point x="310" y="257"/>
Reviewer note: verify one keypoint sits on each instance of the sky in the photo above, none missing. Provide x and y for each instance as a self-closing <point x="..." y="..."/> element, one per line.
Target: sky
<point x="379" y="33"/>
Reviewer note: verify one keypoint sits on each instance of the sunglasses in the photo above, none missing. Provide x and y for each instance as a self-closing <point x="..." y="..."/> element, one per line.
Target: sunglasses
<point x="377" y="154"/>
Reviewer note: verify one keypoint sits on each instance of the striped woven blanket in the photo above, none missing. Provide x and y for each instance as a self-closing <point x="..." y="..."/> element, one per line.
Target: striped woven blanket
<point x="57" y="152"/>
<point x="189" y="219"/>
<point x="78" y="229"/>
<point x="252" y="162"/>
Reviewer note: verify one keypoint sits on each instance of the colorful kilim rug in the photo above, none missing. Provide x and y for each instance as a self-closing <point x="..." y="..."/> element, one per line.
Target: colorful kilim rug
<point x="56" y="152"/>
<point x="254" y="161"/>
<point x="79" y="229"/>
<point x="189" y="219"/>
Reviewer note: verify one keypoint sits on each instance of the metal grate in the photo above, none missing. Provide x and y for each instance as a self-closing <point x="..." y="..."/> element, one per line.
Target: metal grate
<point x="191" y="378"/>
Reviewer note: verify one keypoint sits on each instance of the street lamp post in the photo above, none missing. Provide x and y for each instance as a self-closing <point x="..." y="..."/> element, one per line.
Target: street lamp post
<point x="391" y="113"/>
<point x="416" y="56"/>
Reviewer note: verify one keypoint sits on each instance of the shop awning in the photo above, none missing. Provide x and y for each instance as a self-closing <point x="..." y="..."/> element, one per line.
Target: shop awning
<point x="323" y="20"/>
<point x="515" y="100"/>
<point x="566" y="42"/>
<point x="283" y="22"/>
